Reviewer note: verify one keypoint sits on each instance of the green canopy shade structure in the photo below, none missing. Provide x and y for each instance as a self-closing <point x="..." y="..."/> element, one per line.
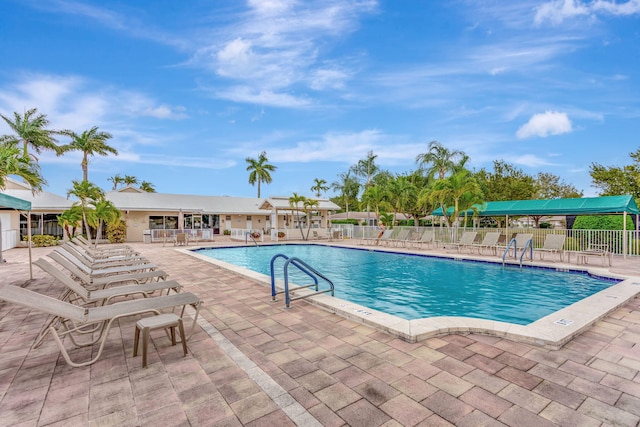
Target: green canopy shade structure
<point x="9" y="203"/>
<point x="581" y="206"/>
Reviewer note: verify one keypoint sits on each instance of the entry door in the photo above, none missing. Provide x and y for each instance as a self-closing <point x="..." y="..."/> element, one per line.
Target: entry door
<point x="249" y="225"/>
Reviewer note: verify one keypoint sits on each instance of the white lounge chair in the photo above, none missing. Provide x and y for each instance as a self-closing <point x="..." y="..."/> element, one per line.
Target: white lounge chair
<point x="72" y="321"/>
<point x="489" y="242"/>
<point x="102" y="275"/>
<point x="467" y="239"/>
<point x="80" y="295"/>
<point x="101" y="282"/>
<point x="553" y="244"/>
<point x="99" y="270"/>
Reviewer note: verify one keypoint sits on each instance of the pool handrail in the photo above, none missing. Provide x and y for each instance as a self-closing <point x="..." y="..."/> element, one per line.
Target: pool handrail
<point x="529" y="245"/>
<point x="273" y="279"/>
<point x="296" y="262"/>
<point x="515" y="249"/>
<point x="248" y="236"/>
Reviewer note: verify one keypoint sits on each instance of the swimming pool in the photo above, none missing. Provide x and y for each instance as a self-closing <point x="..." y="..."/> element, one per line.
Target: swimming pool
<point x="419" y="286"/>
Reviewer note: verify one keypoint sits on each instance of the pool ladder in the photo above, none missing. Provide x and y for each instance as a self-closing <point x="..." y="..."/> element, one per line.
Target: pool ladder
<point x="527" y="245"/>
<point x="248" y="236"/>
<point x="306" y="269"/>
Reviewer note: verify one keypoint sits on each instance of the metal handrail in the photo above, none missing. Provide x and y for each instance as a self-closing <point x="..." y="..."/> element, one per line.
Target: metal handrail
<point x="506" y="251"/>
<point x="248" y="236"/>
<point x="273" y="279"/>
<point x="529" y="244"/>
<point x="305" y="268"/>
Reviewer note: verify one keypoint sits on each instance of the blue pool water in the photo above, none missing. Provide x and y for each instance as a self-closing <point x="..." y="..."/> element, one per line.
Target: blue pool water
<point x="413" y="286"/>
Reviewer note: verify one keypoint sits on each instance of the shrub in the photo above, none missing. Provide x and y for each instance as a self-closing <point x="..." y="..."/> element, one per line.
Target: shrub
<point x="345" y="221"/>
<point x="602" y="222"/>
<point x="42" y="240"/>
<point x="227" y="232"/>
<point x="281" y="234"/>
<point x="117" y="233"/>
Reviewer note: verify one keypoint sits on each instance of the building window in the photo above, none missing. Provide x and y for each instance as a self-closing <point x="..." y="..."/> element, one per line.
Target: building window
<point x="248" y="217"/>
<point x="163" y="222"/>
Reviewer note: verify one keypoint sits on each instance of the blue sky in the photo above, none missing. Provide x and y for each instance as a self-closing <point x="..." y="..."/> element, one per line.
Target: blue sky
<point x="190" y="89"/>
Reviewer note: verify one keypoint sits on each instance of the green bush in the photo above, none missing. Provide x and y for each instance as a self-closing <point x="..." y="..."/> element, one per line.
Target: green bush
<point x="227" y="232"/>
<point x="42" y="240"/>
<point x="117" y="233"/>
<point x="345" y="221"/>
<point x="602" y="222"/>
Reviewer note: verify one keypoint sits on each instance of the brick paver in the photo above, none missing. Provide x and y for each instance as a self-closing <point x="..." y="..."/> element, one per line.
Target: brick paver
<point x="338" y="371"/>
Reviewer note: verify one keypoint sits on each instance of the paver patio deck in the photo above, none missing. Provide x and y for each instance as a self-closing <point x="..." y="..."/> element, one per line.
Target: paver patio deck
<point x="254" y="363"/>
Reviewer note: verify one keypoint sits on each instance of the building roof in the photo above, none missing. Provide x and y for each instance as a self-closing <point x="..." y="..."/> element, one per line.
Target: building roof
<point x="280" y="202"/>
<point x="577" y="206"/>
<point x="134" y="201"/>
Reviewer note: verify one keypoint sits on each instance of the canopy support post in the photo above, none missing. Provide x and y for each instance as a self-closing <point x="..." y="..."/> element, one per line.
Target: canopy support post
<point x="626" y="237"/>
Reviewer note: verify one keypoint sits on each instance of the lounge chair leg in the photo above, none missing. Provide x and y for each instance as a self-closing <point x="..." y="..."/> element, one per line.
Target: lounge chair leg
<point x="145" y="346"/>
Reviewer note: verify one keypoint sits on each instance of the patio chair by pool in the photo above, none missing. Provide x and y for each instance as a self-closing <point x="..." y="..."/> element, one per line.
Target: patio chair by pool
<point x="489" y="242"/>
<point x="78" y="294"/>
<point x="467" y="239"/>
<point x="101" y="280"/>
<point x="100" y="270"/>
<point x="521" y="240"/>
<point x="73" y="321"/>
<point x="401" y="238"/>
<point x="428" y="237"/>
<point x="553" y="244"/>
<point x="384" y="238"/>
<point x="99" y="251"/>
<point x="110" y="246"/>
<point x="182" y="239"/>
<point x="101" y="262"/>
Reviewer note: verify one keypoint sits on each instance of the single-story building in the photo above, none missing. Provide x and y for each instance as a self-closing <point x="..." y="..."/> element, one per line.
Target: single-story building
<point x="146" y="213"/>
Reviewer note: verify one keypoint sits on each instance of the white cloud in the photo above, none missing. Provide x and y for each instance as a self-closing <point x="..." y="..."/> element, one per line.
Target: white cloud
<point x="545" y="124"/>
<point x="349" y="147"/>
<point x="529" y="160"/>
<point x="556" y="11"/>
<point x="262" y="97"/>
<point x="279" y="46"/>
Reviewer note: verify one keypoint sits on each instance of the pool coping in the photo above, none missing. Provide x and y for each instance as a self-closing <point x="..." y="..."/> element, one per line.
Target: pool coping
<point x="551" y="331"/>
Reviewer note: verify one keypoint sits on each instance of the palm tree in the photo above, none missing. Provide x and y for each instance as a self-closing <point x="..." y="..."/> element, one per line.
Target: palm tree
<point x="30" y="130"/>
<point x="319" y="187"/>
<point x="90" y="142"/>
<point x="130" y="180"/>
<point x="260" y="170"/>
<point x="377" y="198"/>
<point x="147" y="187"/>
<point x="103" y="212"/>
<point x="70" y="220"/>
<point x="117" y="180"/>
<point x="294" y="202"/>
<point x="453" y="191"/>
<point x="401" y="192"/>
<point x="12" y="162"/>
<point x="366" y="168"/>
<point x="87" y="193"/>
<point x="348" y="187"/>
<point x="439" y="159"/>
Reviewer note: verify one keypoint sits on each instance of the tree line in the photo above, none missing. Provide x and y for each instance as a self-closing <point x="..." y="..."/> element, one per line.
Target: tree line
<point x="443" y="180"/>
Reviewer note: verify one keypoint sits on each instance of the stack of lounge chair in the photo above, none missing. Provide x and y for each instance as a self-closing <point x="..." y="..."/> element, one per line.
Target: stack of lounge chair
<point x="97" y="281"/>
